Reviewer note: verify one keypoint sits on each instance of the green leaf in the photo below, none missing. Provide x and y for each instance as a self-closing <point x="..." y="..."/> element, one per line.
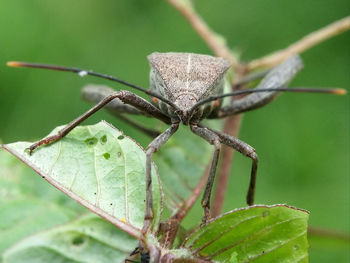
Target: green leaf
<point x="10" y="178"/>
<point x="100" y="168"/>
<point x="20" y="218"/>
<point x="18" y="181"/>
<point x="254" y="234"/>
<point x="22" y="213"/>
<point x="181" y="161"/>
<point x="88" y="239"/>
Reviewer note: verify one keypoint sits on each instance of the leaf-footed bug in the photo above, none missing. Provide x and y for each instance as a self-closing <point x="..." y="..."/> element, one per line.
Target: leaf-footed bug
<point x="186" y="88"/>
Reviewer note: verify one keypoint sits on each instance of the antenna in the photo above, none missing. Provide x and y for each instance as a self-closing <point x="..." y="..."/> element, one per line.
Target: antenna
<point x="83" y="72"/>
<point x="336" y="91"/>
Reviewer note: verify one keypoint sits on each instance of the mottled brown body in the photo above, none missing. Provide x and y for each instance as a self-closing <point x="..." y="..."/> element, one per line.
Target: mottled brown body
<point x="185" y="79"/>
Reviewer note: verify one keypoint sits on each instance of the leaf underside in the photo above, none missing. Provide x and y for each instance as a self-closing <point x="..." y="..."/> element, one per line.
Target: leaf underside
<point x="88" y="239"/>
<point x="104" y="170"/>
<point x="99" y="167"/>
<point x="22" y="217"/>
<point x="26" y="207"/>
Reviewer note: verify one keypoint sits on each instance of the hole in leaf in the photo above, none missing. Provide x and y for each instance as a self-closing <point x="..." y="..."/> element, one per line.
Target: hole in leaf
<point x="266" y="213"/>
<point x="103" y="139"/>
<point x="106" y="156"/>
<point x="120" y="137"/>
<point x="78" y="240"/>
<point x="91" y="141"/>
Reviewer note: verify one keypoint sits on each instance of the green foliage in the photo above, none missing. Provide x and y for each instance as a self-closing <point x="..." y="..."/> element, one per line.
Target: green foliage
<point x="27" y="205"/>
<point x="21" y="218"/>
<point x="79" y="166"/>
<point x="87" y="239"/>
<point x="302" y="140"/>
<point x="254" y="234"/>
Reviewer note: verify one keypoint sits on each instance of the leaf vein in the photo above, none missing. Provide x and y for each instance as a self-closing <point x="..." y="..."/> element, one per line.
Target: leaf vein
<point x="279" y="246"/>
<point x="126" y="192"/>
<point x="224" y="233"/>
<point x="57" y="157"/>
<point x="97" y="201"/>
<point x="252" y="236"/>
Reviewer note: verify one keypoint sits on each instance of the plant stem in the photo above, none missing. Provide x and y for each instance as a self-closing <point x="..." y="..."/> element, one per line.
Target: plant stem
<point x="328" y="233"/>
<point x="303" y="44"/>
<point x="213" y="40"/>
<point x="187" y="205"/>
<point x="232" y="124"/>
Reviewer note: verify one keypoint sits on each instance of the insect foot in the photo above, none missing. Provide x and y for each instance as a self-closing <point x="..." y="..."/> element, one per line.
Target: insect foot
<point x="46" y="141"/>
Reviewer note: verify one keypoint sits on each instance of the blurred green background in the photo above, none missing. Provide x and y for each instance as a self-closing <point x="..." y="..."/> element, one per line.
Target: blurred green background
<point x="302" y="139"/>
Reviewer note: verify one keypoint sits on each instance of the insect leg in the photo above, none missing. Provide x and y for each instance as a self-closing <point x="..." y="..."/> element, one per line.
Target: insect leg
<point x="278" y="77"/>
<point x="132" y="255"/>
<point x="96" y="93"/>
<point x="125" y="96"/>
<point x="246" y="150"/>
<point x="152" y="148"/>
<point x="214" y="139"/>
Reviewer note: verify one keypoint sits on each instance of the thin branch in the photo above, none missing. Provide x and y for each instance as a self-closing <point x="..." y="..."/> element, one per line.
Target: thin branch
<point x="328" y="233"/>
<point x="187" y="205"/>
<point x="303" y="44"/>
<point x="213" y="40"/>
<point x="232" y="124"/>
<point x="173" y="223"/>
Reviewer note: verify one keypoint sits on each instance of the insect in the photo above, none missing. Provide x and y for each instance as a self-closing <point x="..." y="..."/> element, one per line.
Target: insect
<point x="187" y="88"/>
<point x="145" y="257"/>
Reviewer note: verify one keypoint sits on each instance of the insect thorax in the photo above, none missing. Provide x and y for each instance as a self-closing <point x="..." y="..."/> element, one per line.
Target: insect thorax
<point x="186" y="78"/>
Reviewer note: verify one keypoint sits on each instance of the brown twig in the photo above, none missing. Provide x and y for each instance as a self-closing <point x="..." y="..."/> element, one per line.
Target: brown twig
<point x="303" y="44"/>
<point x="232" y="124"/>
<point x="187" y="205"/>
<point x="328" y="233"/>
<point x="213" y="40"/>
<point x="174" y="222"/>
